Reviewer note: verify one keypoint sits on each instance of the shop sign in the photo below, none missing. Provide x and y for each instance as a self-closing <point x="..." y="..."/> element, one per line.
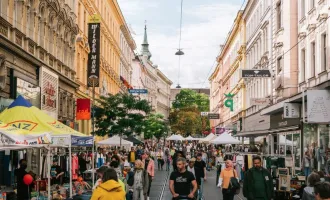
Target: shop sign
<point x="213" y="116"/>
<point x="260" y="101"/>
<point x="83" y="109"/>
<point x="239" y="125"/>
<point x="278" y="121"/>
<point x="219" y="130"/>
<point x="27" y="141"/>
<point x="253" y="73"/>
<point x="229" y="103"/>
<point x="318" y="106"/>
<point x="204" y="114"/>
<point x="49" y="92"/>
<point x="93" y="68"/>
<point x="291" y="110"/>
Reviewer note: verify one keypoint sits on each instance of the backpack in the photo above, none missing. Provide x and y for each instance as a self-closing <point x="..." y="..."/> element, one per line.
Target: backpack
<point x="234" y="186"/>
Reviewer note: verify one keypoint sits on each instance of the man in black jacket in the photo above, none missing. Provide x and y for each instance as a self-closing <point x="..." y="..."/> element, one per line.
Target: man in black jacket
<point x="23" y="191"/>
<point x="258" y="183"/>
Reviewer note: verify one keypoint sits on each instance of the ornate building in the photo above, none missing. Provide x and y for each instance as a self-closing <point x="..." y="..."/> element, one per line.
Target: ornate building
<point x="116" y="50"/>
<point x="37" y="51"/>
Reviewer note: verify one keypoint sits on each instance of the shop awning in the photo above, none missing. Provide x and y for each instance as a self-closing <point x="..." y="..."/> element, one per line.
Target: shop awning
<point x="22" y="115"/>
<point x="266" y="132"/>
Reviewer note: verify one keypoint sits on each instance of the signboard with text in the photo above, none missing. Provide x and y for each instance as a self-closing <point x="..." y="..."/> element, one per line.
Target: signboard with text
<point x="138" y="91"/>
<point x="278" y="121"/>
<point x="256" y="73"/>
<point x="260" y="101"/>
<point x="213" y="116"/>
<point x="291" y="110"/>
<point x="93" y="68"/>
<point x="49" y="92"/>
<point x="318" y="106"/>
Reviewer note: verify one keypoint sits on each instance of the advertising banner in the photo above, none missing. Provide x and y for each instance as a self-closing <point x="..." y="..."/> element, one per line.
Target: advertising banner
<point x="83" y="109"/>
<point x="93" y="68"/>
<point x="82" y="141"/>
<point x="318" y="106"/>
<point x="49" y="92"/>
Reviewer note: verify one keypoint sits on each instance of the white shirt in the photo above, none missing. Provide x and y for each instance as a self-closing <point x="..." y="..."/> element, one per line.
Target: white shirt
<point x="192" y="170"/>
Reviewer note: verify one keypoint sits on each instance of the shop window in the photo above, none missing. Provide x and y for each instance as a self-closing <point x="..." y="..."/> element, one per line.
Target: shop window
<point x="289" y="145"/>
<point x="310" y="144"/>
<point x="324" y="146"/>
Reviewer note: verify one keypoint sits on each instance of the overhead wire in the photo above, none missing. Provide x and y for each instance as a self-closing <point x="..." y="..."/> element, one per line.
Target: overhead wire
<point x="180" y="43"/>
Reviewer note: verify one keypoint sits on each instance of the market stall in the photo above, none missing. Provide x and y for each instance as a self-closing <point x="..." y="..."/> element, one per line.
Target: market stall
<point x="189" y="138"/>
<point x="175" y="138"/>
<point x="208" y="138"/>
<point x="21" y="114"/>
<point x="115" y="141"/>
<point x="225" y="138"/>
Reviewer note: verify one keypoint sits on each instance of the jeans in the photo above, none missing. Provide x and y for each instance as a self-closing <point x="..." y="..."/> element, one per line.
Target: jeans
<point x="138" y="195"/>
<point x="227" y="195"/>
<point x="307" y="171"/>
<point x="201" y="187"/>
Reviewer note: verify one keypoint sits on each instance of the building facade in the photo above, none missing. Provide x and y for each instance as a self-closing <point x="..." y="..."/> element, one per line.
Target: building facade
<point x="163" y="94"/>
<point x="226" y="79"/>
<point x="115" y="51"/>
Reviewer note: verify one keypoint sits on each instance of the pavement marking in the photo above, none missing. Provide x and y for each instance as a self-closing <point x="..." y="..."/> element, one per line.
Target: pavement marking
<point x="164" y="185"/>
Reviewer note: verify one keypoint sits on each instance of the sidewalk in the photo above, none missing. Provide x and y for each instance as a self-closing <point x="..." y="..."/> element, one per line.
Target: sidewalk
<point x="158" y="185"/>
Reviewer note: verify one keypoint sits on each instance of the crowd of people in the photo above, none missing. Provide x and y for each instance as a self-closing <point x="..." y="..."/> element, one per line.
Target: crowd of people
<point x="129" y="175"/>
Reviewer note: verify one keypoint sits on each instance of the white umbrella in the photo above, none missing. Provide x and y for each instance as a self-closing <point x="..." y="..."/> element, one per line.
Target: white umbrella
<point x="225" y="138"/>
<point x="115" y="141"/>
<point x="191" y="138"/>
<point x="175" y="138"/>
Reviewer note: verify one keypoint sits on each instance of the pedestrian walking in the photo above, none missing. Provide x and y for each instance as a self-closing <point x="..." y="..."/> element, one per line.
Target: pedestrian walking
<point x="201" y="172"/>
<point x="149" y="166"/>
<point x="191" y="168"/>
<point x="182" y="180"/>
<point x="224" y="180"/>
<point x="110" y="188"/>
<point x="258" y="183"/>
<point x="139" y="182"/>
<point x="132" y="156"/>
<point x="160" y="159"/>
<point x="167" y="159"/>
<point x="308" y="193"/>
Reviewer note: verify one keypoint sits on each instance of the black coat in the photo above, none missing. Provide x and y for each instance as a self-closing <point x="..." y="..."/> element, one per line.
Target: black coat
<point x="23" y="191"/>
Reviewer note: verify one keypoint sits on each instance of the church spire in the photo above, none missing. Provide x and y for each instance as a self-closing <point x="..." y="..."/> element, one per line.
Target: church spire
<point x="145" y="45"/>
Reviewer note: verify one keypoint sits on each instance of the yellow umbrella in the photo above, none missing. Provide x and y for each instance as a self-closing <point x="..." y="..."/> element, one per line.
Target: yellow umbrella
<point x="21" y="114"/>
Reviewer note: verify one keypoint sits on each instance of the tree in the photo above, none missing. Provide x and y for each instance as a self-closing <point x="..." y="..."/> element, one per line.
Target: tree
<point x="155" y="126"/>
<point x="185" y="117"/>
<point x="120" y="114"/>
<point x="190" y="98"/>
<point x="186" y="121"/>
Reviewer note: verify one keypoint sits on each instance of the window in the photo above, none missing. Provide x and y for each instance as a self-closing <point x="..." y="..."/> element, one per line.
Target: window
<point x="313" y="59"/>
<point x="323" y="52"/>
<point x="279" y="15"/>
<point x="302" y="11"/>
<point x="279" y="64"/>
<point x="303" y="64"/>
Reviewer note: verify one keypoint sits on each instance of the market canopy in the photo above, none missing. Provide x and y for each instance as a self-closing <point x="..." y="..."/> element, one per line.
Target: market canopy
<point x="189" y="138"/>
<point x="225" y="138"/>
<point x="133" y="140"/>
<point x="21" y="114"/>
<point x="208" y="138"/>
<point x="175" y="138"/>
<point x="115" y="141"/>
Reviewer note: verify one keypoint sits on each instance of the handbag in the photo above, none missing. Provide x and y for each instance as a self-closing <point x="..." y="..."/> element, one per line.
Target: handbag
<point x="234" y="186"/>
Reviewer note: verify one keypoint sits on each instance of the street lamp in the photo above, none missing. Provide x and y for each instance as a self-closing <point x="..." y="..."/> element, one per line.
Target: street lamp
<point x="179" y="52"/>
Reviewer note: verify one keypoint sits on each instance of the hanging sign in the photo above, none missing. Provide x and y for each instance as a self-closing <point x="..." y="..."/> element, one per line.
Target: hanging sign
<point x="82" y="141"/>
<point x="93" y="68"/>
<point x="318" y="106"/>
<point x="83" y="109"/>
<point x="229" y="103"/>
<point x="291" y="110"/>
<point x="260" y="101"/>
<point x="256" y="73"/>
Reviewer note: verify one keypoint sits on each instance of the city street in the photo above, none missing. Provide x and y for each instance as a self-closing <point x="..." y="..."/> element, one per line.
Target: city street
<point x="160" y="191"/>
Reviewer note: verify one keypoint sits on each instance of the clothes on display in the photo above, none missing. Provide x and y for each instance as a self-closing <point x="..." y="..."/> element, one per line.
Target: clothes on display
<point x="100" y="160"/>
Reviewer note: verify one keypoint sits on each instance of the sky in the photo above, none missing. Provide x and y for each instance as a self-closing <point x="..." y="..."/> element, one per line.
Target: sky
<point x="205" y="26"/>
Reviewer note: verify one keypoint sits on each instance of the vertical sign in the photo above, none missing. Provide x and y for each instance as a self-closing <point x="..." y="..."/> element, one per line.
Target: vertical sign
<point x="229" y="103"/>
<point x="94" y="30"/>
<point x="291" y="110"/>
<point x="49" y="92"/>
<point x="83" y="109"/>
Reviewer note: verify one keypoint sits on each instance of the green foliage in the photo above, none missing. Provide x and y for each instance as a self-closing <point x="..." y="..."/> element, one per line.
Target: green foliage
<point x="185" y="116"/>
<point x="155" y="125"/>
<point x="190" y="98"/>
<point x="120" y="113"/>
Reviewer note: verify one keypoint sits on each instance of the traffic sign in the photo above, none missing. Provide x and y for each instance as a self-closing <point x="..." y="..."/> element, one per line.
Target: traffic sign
<point x="256" y="73"/>
<point x="138" y="91"/>
<point x="214" y="116"/>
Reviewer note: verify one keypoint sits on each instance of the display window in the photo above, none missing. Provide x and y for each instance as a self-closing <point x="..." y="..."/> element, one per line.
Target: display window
<point x="323" y="148"/>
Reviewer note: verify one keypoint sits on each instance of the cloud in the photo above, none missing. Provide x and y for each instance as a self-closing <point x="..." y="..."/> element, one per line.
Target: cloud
<point x="205" y="27"/>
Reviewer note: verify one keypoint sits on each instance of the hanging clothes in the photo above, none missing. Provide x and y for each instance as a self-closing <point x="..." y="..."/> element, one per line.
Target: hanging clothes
<point x="75" y="167"/>
<point x="99" y="160"/>
<point x="250" y="162"/>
